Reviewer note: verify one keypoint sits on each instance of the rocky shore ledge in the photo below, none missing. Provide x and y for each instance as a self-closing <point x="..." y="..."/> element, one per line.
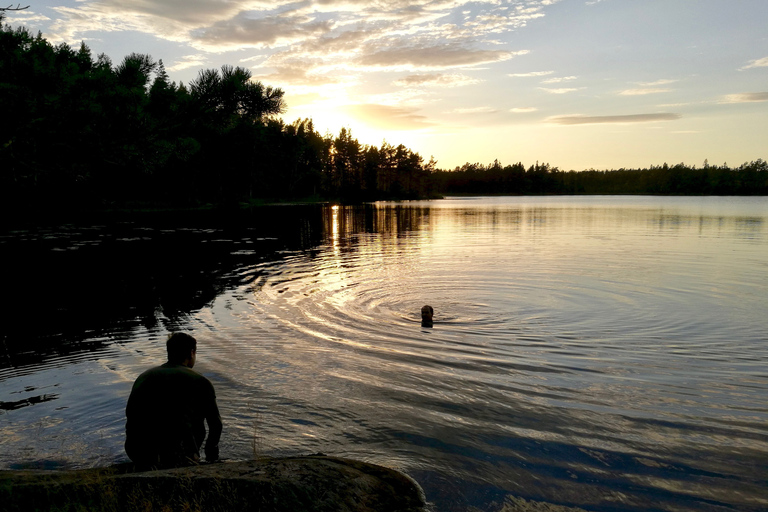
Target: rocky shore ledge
<point x="311" y="483"/>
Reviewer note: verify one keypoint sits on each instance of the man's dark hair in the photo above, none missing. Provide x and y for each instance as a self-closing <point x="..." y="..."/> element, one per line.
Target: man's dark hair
<point x="180" y="346"/>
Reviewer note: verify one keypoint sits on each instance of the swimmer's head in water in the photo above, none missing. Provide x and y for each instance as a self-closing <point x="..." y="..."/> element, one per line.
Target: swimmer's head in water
<point x="426" y="314"/>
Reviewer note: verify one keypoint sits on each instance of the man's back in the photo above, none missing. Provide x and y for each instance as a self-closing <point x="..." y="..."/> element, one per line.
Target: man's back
<point x="165" y="417"/>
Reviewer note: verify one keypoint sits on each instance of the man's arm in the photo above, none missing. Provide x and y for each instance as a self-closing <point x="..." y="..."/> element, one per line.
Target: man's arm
<point x="215" y="426"/>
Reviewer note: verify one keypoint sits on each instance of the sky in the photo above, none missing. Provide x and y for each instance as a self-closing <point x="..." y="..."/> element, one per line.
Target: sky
<point x="578" y="84"/>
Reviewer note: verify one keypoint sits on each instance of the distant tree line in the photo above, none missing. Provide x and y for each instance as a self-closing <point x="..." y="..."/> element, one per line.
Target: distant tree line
<point x="750" y="178"/>
<point x="81" y="130"/>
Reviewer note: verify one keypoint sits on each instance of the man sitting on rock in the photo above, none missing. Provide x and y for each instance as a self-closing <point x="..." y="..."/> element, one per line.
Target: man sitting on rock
<point x="167" y="408"/>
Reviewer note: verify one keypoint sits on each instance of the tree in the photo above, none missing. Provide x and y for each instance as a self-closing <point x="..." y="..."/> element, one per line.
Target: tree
<point x="135" y="71"/>
<point x="346" y="164"/>
<point x="232" y="96"/>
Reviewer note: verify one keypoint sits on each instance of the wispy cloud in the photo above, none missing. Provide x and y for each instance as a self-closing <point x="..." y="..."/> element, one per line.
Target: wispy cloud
<point x="523" y="110"/>
<point x="75" y="24"/>
<point x="436" y="80"/>
<point x="758" y="63"/>
<point x="25" y="17"/>
<point x="643" y="92"/>
<point x="190" y="12"/>
<point x="242" y="31"/>
<point x="365" y="35"/>
<point x="629" y="118"/>
<point x="558" y="80"/>
<point x="474" y="110"/>
<point x="302" y="72"/>
<point x="531" y="74"/>
<point x="188" y="61"/>
<point x="432" y="57"/>
<point x="562" y="90"/>
<point x="663" y="81"/>
<point x="746" y="97"/>
<point x="388" y="117"/>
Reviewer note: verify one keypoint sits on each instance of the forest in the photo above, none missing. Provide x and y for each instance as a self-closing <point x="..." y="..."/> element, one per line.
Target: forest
<point x="81" y="131"/>
<point x="750" y="178"/>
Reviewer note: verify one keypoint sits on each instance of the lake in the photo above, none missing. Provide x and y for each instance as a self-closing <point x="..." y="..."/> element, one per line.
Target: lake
<point x="605" y="352"/>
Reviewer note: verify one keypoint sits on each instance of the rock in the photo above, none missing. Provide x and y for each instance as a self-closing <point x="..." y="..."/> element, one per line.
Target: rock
<point x="311" y="483"/>
<point x="517" y="504"/>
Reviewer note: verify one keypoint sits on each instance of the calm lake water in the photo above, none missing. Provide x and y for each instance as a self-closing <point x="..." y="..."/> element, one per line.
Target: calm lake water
<point x="603" y="352"/>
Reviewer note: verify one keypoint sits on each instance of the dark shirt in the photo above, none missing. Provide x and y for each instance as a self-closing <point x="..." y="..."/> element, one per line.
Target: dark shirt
<point x="165" y="415"/>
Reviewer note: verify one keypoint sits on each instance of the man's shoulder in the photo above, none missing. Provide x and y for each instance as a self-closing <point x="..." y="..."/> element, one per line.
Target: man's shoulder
<point x="170" y="371"/>
<point x="178" y="369"/>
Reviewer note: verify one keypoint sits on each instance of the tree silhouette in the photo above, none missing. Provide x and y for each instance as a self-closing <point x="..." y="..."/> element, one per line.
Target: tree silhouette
<point x="11" y="8"/>
<point x="231" y="95"/>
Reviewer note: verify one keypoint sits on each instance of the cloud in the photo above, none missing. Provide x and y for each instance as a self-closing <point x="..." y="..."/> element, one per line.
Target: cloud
<point x="25" y="17"/>
<point x="172" y="20"/>
<point x="500" y="23"/>
<point x="188" y="61"/>
<point x="562" y="90"/>
<point x="298" y="100"/>
<point x="73" y="24"/>
<point x="322" y="42"/>
<point x="388" y="117"/>
<point x="523" y="110"/>
<point x="557" y="80"/>
<point x="643" y="92"/>
<point x="302" y="72"/>
<point x="436" y="80"/>
<point x="432" y="57"/>
<point x="265" y="20"/>
<point x="242" y="31"/>
<point x="531" y="74"/>
<point x="663" y="81"/>
<point x="473" y="110"/>
<point x="630" y="118"/>
<point x="397" y="98"/>
<point x="746" y="97"/>
<point x="194" y="12"/>
<point x="758" y="63"/>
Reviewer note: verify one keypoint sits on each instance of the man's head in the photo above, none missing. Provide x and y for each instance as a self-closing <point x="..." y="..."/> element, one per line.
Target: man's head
<point x="182" y="349"/>
<point x="426" y="314"/>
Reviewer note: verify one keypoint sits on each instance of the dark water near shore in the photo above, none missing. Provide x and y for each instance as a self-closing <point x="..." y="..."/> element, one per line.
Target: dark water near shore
<point x="604" y="352"/>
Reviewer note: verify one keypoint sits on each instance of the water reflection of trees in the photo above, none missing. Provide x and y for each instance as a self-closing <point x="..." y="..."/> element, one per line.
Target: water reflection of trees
<point x="343" y="222"/>
<point x="744" y="227"/>
<point x="77" y="287"/>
